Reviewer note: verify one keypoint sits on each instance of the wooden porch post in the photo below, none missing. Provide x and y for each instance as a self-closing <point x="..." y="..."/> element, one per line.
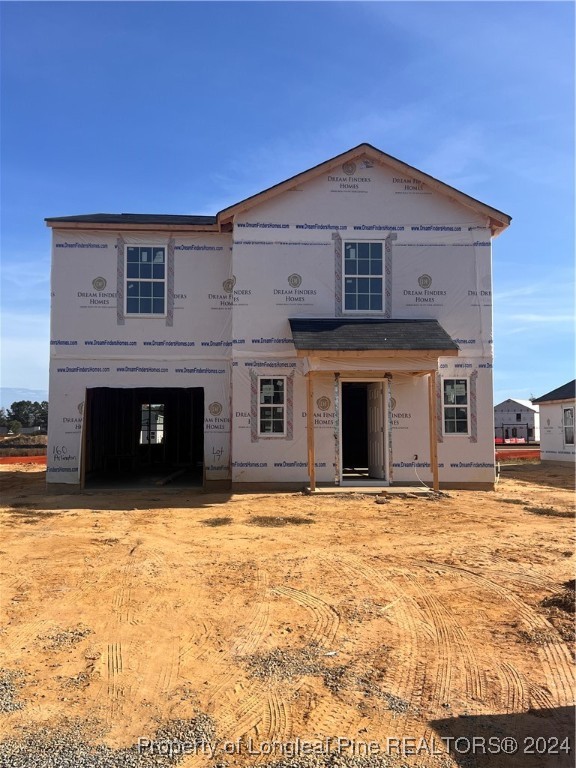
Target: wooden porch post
<point x="432" y="416"/>
<point x="310" y="431"/>
<point x="84" y="440"/>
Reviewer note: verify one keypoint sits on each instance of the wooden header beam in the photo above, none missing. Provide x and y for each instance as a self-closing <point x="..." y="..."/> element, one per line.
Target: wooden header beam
<point x="377" y="354"/>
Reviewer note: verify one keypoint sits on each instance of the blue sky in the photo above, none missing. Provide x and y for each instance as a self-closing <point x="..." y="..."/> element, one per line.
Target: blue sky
<point x="188" y="107"/>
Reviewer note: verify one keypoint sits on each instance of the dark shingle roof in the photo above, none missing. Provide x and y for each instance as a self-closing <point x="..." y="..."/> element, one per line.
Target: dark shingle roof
<point x="565" y="392"/>
<point x="135" y="218"/>
<point x="366" y="334"/>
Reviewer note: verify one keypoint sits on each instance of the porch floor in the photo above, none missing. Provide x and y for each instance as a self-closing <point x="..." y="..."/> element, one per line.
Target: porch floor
<point x="374" y="490"/>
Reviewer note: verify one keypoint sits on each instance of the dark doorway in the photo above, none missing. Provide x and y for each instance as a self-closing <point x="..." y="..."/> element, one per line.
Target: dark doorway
<point x="354" y="429"/>
<point x="363" y="416"/>
<point x="147" y="435"/>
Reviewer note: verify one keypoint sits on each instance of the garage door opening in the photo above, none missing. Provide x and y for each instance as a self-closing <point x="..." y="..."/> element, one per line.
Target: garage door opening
<point x="143" y="436"/>
<point x="363" y="417"/>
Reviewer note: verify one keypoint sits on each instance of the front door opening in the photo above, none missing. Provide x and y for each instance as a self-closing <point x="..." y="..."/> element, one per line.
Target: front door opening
<point x="145" y="435"/>
<point x="363" y="448"/>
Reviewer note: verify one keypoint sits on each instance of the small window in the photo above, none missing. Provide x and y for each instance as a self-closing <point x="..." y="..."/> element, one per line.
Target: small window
<point x="145" y="280"/>
<point x="456" y="406"/>
<point x="518" y="417"/>
<point x="363" y="277"/>
<point x="272" y="407"/>
<point x="568" y="425"/>
<point x="152" y="424"/>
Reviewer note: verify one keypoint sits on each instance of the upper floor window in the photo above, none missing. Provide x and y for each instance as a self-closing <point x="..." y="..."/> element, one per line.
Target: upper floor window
<point x="145" y="280"/>
<point x="363" y="277"/>
<point x="518" y="417"/>
<point x="456" y="406"/>
<point x="272" y="406"/>
<point x="568" y="425"/>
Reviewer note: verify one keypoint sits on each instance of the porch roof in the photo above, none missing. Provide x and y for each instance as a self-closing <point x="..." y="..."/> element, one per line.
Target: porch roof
<point x="370" y="334"/>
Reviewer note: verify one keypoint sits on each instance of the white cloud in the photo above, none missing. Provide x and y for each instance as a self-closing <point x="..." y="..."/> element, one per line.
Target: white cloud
<point x="543" y="318"/>
<point x="523" y="290"/>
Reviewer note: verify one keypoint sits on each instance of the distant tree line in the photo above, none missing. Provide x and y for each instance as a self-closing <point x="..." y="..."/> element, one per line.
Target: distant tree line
<point x="25" y="413"/>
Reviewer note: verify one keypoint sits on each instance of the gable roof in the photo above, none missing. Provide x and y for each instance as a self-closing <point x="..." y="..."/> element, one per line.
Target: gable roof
<point x="222" y="221"/>
<point x="361" y="334"/>
<point x="525" y="403"/>
<point x="565" y="392"/>
<point x="498" y="220"/>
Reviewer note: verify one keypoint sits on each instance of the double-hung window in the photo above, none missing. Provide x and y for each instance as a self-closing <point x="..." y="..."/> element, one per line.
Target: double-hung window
<point x="272" y="406"/>
<point x="363" y="277"/>
<point x="456" y="406"/>
<point x="568" y="425"/>
<point x="145" y="280"/>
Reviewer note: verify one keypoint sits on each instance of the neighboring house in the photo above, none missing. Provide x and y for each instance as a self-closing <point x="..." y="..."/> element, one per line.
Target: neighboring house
<point x="516" y="421"/>
<point x="557" y="423"/>
<point x="24" y="431"/>
<point x="335" y="328"/>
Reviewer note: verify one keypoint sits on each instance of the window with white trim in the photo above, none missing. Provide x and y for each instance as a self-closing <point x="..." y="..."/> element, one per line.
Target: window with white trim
<point x="363" y="276"/>
<point x="456" y="406"/>
<point x="568" y="425"/>
<point x="146" y="280"/>
<point x="272" y="406"/>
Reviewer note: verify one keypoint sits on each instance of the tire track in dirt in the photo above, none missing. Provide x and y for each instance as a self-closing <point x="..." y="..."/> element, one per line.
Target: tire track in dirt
<point x="117" y="689"/>
<point x="539" y="697"/>
<point x="146" y="681"/>
<point x="514" y="688"/>
<point x="195" y="646"/>
<point x="507" y="574"/>
<point x="265" y="708"/>
<point x="241" y="706"/>
<point x="65" y="599"/>
<point x="444" y="655"/>
<point x="244" y="713"/>
<point x="122" y="605"/>
<point x="276" y="723"/>
<point x="280" y="716"/>
<point x="329" y="718"/>
<point x="251" y="637"/>
<point x="406" y="680"/>
<point x="115" y="665"/>
<point x="326" y="619"/>
<point x="475" y="683"/>
<point x="169" y="672"/>
<point x="19" y="638"/>
<point x="554" y="657"/>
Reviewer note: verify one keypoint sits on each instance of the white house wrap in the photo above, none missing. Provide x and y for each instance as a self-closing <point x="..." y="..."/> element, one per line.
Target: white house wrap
<point x="193" y="314"/>
<point x="557" y="409"/>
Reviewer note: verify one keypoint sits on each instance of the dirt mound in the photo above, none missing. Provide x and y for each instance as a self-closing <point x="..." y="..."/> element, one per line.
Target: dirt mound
<point x="23" y="441"/>
<point x="23" y="445"/>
